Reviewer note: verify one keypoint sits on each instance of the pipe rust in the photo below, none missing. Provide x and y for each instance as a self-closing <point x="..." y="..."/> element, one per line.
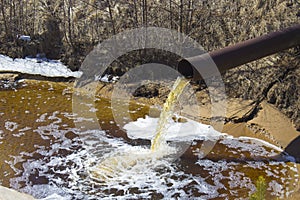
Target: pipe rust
<point x="239" y="54"/>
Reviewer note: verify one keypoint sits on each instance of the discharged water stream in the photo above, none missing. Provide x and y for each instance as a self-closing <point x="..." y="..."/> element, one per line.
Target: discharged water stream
<point x="167" y="112"/>
<point x="43" y="153"/>
<point x="111" y="167"/>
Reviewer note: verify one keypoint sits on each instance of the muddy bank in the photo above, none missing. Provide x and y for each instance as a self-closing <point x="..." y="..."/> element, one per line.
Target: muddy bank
<point x="275" y="79"/>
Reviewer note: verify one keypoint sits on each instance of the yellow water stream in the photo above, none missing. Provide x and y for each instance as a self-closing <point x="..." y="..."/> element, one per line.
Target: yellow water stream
<point x="167" y="112"/>
<point x="110" y="167"/>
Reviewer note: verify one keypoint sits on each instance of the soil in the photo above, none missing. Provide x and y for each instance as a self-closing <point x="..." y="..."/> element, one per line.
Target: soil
<point x="277" y="82"/>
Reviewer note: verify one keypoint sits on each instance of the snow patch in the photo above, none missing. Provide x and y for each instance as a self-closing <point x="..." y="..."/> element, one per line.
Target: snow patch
<point x="108" y="78"/>
<point x="49" y="68"/>
<point x="24" y="38"/>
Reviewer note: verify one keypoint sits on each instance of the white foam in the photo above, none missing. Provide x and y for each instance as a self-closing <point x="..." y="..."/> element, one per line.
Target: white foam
<point x="145" y="128"/>
<point x="68" y="173"/>
<point x="149" y="176"/>
<point x="11" y="126"/>
<point x="54" y="197"/>
<point x="262" y="142"/>
<point x="277" y="189"/>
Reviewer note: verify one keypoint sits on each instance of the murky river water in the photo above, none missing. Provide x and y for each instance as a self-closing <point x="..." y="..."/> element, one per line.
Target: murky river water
<point x="43" y="153"/>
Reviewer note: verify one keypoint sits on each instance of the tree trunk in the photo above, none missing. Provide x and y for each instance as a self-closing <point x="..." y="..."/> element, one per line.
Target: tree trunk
<point x="70" y="32"/>
<point x="144" y="6"/>
<point x="190" y="17"/>
<point x="181" y="17"/>
<point x="135" y="13"/>
<point x="7" y="32"/>
<point x="170" y="14"/>
<point x="111" y="17"/>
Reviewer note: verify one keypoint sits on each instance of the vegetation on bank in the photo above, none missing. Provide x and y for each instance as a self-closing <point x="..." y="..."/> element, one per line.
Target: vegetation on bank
<point x="261" y="189"/>
<point x="69" y="29"/>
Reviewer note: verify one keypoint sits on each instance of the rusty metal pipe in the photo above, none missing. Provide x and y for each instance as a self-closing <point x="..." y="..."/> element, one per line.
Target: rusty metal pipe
<point x="241" y="53"/>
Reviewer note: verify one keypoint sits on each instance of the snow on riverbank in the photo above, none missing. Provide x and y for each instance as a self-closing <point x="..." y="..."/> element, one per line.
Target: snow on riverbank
<point x="50" y="68"/>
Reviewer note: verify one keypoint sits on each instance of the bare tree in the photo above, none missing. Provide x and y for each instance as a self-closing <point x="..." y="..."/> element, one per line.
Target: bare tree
<point x="181" y="16"/>
<point x="111" y="16"/>
<point x="70" y="28"/>
<point x="135" y="13"/>
<point x="145" y="13"/>
<point x="170" y="14"/>
<point x="4" y="16"/>
<point x="190" y="16"/>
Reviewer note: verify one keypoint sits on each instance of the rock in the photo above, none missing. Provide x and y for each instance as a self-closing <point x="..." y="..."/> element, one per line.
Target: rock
<point x="149" y="90"/>
<point x="8" y="77"/>
<point x="8" y="80"/>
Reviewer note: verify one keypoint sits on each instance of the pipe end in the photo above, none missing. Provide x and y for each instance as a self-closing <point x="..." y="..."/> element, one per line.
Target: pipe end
<point x="185" y="68"/>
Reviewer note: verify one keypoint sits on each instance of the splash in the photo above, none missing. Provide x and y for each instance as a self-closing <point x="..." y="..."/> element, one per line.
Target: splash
<point x="111" y="167"/>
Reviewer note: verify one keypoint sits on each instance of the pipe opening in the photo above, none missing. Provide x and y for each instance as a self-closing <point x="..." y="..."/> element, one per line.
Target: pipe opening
<point x="185" y="68"/>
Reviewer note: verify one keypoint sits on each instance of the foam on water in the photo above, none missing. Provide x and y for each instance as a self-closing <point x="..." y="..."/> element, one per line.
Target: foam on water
<point x="175" y="131"/>
<point x="150" y="177"/>
<point x="11" y="126"/>
<point x="55" y="159"/>
<point x="111" y="167"/>
<point x="144" y="180"/>
<point x="66" y="176"/>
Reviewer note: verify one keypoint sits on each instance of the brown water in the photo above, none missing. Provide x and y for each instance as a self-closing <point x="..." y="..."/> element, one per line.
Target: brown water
<point x="43" y="153"/>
